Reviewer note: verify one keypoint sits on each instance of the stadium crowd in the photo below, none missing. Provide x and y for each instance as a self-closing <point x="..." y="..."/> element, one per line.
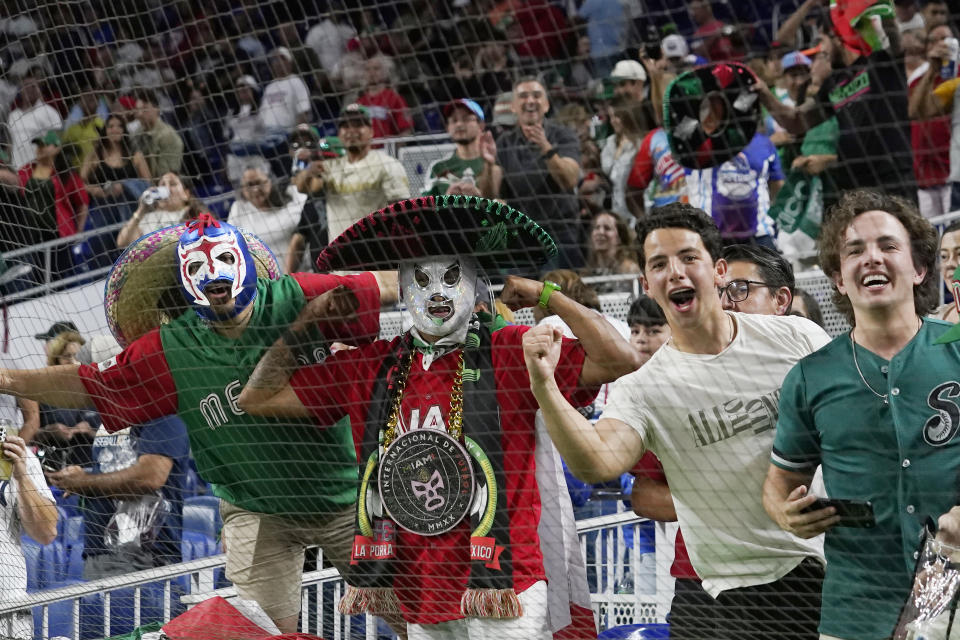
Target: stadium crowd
<point x="282" y="119"/>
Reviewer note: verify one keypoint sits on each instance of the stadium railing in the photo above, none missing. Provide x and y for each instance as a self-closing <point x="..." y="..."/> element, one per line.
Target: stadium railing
<point x="611" y="608"/>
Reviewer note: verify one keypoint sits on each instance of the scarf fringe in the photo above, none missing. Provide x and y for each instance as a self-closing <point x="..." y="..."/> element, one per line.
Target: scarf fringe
<point x="375" y="600"/>
<point x="490" y="603"/>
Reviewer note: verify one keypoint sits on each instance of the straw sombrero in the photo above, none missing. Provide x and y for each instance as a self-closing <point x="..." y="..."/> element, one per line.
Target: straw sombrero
<point x="142" y="290"/>
<point x="498" y="236"/>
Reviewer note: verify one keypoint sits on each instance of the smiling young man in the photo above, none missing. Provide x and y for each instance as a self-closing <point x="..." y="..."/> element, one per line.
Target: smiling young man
<point x="706" y="405"/>
<point x="877" y="409"/>
<point x="472" y="169"/>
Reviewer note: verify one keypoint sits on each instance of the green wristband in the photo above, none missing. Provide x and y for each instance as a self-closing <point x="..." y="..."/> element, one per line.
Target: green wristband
<point x="547" y="291"/>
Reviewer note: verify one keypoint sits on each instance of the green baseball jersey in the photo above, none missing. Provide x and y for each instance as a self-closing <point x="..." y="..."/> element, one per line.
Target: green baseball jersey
<point x="902" y="455"/>
<point x="443" y="173"/>
<point x="278" y="466"/>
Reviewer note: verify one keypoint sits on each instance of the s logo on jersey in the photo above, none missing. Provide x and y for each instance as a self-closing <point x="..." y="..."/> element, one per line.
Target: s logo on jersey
<point x="942" y="427"/>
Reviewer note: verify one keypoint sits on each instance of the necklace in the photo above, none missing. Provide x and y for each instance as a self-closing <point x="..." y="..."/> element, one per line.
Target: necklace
<point x="853" y="348"/>
<point x="455" y="420"/>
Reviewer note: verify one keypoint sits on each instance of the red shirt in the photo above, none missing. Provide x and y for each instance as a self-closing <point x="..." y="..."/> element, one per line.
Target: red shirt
<point x="136" y="386"/>
<point x="650" y="467"/>
<point x="389" y="114"/>
<point x="431" y="572"/>
<point x="70" y="196"/>
<point x="930" y="140"/>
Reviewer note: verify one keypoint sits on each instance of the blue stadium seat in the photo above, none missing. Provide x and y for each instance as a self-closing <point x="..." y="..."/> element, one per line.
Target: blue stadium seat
<point x="636" y="632"/>
<point x="201" y="527"/>
<point x="73" y="545"/>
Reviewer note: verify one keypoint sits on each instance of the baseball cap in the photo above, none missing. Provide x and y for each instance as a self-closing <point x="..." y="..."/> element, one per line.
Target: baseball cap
<point x="795" y="59"/>
<point x="306" y="135"/>
<point x="629" y="70"/>
<point x="466" y="103"/>
<point x="247" y="81"/>
<point x="61" y="326"/>
<point x="355" y="111"/>
<point x="674" y="46"/>
<point x="284" y="52"/>
<point x="503" y="115"/>
<point x="50" y="137"/>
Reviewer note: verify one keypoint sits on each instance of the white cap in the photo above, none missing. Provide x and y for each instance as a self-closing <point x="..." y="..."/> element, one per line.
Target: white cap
<point x="629" y="70"/>
<point x="674" y="46"/>
<point x="247" y="81"/>
<point x="283" y="52"/>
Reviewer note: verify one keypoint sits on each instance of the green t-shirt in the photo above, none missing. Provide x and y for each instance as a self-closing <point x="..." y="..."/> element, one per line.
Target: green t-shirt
<point x="278" y="466"/>
<point x="443" y="173"/>
<point x="903" y="457"/>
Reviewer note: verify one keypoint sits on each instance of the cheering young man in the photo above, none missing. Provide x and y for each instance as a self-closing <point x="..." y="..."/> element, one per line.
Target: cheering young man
<point x="706" y="405"/>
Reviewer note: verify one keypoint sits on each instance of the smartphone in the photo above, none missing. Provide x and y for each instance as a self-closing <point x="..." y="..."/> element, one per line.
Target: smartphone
<point x="853" y="513"/>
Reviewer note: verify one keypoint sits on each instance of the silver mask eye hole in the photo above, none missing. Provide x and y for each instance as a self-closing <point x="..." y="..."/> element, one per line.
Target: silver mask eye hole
<point x="452" y="275"/>
<point x="420" y="277"/>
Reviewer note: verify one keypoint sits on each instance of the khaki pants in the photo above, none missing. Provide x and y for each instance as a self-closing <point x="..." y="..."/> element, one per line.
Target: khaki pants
<point x="265" y="553"/>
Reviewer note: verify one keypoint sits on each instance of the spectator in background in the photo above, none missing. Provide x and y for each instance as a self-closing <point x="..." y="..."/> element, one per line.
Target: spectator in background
<point x="738" y="193"/>
<point x="26" y="506"/>
<point x="676" y="54"/>
<point x="69" y="430"/>
<point x="616" y="158"/>
<point x="655" y="178"/>
<point x="795" y="68"/>
<point x="574" y="116"/>
<point x="907" y="15"/>
<point x="758" y="280"/>
<point x="154" y="212"/>
<point x="629" y="80"/>
<point x="493" y="71"/>
<point x="935" y="13"/>
<point x="806" y="306"/>
<point x="244" y="130"/>
<point x="308" y="151"/>
<point x="112" y="171"/>
<point x="472" y="169"/>
<point x="930" y="128"/>
<point x="80" y="135"/>
<point x="878" y="156"/>
<point x="33" y="117"/>
<point x="362" y="181"/>
<point x="202" y="135"/>
<point x="648" y="327"/>
<point x="712" y="38"/>
<point x="388" y="110"/>
<point x="540" y="161"/>
<point x="268" y="209"/>
<point x="949" y="261"/>
<point x="160" y="144"/>
<point x="329" y="37"/>
<point x="606" y="28"/>
<point x="56" y="198"/>
<point x="141" y="470"/>
<point x="286" y="101"/>
<point x="610" y="252"/>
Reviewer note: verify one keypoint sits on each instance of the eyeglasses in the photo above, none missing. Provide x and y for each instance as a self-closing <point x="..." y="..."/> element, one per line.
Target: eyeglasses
<point x="258" y="183"/>
<point x="308" y="144"/>
<point x="738" y="290"/>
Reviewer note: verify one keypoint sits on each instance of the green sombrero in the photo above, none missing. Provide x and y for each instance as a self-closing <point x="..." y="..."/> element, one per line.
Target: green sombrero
<point x="143" y="290"/>
<point x="498" y="236"/>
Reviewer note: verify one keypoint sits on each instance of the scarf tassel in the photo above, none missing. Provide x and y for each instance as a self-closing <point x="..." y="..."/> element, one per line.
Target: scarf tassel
<point x="490" y="603"/>
<point x="375" y="600"/>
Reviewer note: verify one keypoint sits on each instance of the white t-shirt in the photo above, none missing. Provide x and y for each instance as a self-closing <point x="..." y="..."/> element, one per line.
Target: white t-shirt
<point x="355" y="189"/>
<point x="13" y="567"/>
<point x="282" y="101"/>
<point x="274" y="227"/>
<point x="711" y="421"/>
<point x="329" y="40"/>
<point x="27" y="124"/>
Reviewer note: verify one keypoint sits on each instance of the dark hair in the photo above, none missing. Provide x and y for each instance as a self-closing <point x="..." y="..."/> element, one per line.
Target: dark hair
<point x="146" y="95"/>
<point x="645" y="311"/>
<point x="574" y="287"/>
<point x="950" y="228"/>
<point x="194" y="206"/>
<point x="774" y="269"/>
<point x="103" y="141"/>
<point x="679" y="215"/>
<point x="813" y="307"/>
<point x="278" y="196"/>
<point x="528" y="78"/>
<point x="924" y="244"/>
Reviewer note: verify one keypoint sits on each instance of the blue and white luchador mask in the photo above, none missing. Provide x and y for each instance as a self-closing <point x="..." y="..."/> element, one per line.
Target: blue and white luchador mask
<point x="215" y="266"/>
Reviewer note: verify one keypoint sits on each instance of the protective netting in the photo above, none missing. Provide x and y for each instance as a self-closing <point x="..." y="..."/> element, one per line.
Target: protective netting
<point x="123" y="120"/>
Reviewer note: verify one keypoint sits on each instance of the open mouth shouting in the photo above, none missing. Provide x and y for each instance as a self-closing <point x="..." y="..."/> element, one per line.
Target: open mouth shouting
<point x="440" y="309"/>
<point x="682" y="299"/>
<point x="218" y="292"/>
